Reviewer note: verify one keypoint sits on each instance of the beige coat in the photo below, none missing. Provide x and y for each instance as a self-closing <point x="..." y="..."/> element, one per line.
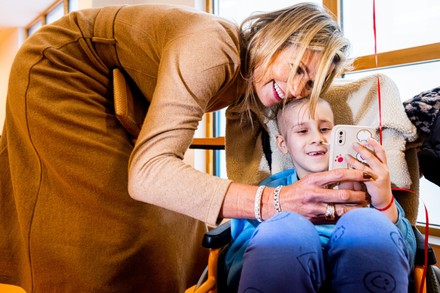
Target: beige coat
<point x="67" y="222"/>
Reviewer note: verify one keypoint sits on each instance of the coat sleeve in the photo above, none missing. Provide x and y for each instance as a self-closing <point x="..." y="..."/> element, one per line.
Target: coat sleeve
<point x="186" y="83"/>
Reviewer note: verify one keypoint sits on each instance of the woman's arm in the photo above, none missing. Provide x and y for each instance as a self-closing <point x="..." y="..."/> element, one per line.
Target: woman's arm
<point x="188" y="84"/>
<point x="308" y="197"/>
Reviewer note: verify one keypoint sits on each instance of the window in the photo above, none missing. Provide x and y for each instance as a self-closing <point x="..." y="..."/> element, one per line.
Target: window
<point x="54" y="12"/>
<point x="73" y="5"/>
<point x="35" y="27"/>
<point x="399" y="24"/>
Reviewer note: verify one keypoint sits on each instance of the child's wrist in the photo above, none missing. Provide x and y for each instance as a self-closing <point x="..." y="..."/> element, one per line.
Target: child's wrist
<point x="387" y="206"/>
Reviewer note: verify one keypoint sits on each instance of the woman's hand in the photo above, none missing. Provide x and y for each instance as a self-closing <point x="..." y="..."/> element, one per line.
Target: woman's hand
<point x="376" y="164"/>
<point x="311" y="195"/>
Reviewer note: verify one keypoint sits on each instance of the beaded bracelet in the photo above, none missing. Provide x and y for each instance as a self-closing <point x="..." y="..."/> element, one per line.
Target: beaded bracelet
<point x="387" y="207"/>
<point x="276" y="199"/>
<point x="257" y="204"/>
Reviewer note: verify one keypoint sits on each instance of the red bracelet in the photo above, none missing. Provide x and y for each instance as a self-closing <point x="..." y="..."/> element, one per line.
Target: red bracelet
<point x="387" y="207"/>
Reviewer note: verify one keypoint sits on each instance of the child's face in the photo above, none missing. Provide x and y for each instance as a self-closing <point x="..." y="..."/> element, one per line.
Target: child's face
<point x="306" y="139"/>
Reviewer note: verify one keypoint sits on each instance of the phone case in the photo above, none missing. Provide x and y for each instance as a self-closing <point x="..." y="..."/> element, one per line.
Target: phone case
<point x="342" y="139"/>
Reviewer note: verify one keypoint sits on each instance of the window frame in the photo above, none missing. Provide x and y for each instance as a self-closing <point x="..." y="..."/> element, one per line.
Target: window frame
<point x="43" y="15"/>
<point x="407" y="56"/>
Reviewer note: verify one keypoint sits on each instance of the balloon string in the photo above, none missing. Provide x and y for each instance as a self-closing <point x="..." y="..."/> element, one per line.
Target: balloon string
<point x="379" y="100"/>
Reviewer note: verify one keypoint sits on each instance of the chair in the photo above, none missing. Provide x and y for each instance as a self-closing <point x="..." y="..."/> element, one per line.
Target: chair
<point x="354" y="102"/>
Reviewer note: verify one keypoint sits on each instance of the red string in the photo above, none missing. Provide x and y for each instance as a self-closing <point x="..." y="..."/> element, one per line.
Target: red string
<point x="387" y="207"/>
<point x="378" y="79"/>
<point x="425" y="262"/>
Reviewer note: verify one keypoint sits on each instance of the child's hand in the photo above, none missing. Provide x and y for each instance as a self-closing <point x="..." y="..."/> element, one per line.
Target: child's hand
<point x="353" y="185"/>
<point x="379" y="187"/>
<point x="356" y="186"/>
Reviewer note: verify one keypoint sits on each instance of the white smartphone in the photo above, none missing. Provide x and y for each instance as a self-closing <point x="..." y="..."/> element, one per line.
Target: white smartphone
<point x="342" y="139"/>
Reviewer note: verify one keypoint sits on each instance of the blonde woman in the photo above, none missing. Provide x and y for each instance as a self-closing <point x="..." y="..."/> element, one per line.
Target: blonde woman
<point x="69" y="169"/>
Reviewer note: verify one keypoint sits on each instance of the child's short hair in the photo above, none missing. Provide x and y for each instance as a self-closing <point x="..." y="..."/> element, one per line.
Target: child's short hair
<point x="292" y="104"/>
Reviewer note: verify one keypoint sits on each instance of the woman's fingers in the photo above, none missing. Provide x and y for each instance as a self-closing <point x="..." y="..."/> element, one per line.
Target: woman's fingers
<point x="311" y="195"/>
<point x="316" y="187"/>
<point x="309" y="198"/>
<point x="330" y="212"/>
<point x="332" y="177"/>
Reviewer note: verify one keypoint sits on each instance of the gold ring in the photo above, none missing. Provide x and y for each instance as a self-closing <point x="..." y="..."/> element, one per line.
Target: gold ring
<point x="330" y="212"/>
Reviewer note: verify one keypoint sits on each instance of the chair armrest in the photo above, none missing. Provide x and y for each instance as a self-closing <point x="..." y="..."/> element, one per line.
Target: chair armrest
<point x="420" y="251"/>
<point x="218" y="237"/>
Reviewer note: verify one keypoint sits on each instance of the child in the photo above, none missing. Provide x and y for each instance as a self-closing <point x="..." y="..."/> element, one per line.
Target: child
<point x="363" y="251"/>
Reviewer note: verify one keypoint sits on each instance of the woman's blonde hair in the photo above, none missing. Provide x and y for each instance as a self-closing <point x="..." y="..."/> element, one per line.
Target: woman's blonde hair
<point x="305" y="26"/>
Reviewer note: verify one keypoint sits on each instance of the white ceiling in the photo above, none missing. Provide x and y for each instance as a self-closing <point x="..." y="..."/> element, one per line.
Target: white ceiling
<point x="19" y="13"/>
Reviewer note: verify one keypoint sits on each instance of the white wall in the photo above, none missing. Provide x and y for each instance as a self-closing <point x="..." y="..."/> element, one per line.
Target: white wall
<point x="10" y="40"/>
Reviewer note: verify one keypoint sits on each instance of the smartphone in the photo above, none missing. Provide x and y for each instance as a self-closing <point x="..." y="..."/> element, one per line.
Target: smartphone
<point x="342" y="139"/>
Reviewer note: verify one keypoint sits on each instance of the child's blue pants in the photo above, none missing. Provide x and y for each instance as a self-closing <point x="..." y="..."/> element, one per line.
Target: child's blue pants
<point x="365" y="254"/>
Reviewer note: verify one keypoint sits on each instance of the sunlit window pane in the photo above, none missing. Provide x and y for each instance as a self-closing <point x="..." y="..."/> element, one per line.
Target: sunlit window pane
<point x="55" y="13"/>
<point x="73" y="5"/>
<point x="412" y="80"/>
<point x="35" y="27"/>
<point x="399" y="24"/>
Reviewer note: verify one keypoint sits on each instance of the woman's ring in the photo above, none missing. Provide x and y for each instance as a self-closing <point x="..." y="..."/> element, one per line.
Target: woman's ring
<point x="330" y="212"/>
